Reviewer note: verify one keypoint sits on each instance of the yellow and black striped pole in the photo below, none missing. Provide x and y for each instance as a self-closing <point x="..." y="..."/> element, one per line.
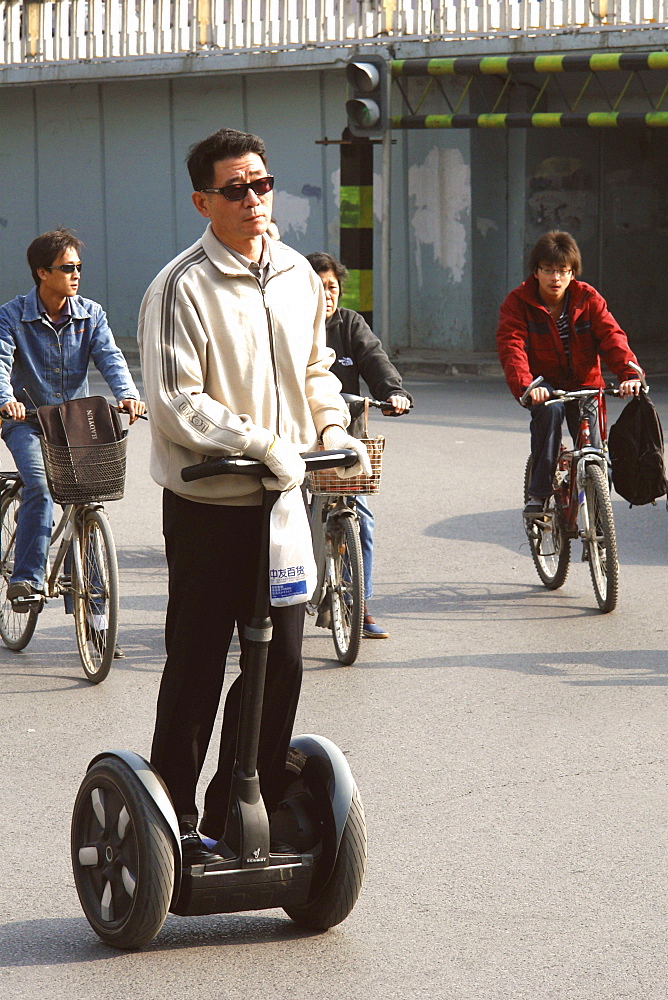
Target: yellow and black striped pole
<point x="503" y="65"/>
<point x="540" y="119"/>
<point x="356" y="224"/>
<point x="500" y="66"/>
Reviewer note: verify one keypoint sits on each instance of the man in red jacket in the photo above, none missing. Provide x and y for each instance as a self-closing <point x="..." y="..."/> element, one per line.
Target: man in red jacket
<point x="558" y="327"/>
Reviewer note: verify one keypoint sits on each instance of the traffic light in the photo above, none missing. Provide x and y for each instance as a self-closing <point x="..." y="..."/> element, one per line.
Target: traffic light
<point x="367" y="108"/>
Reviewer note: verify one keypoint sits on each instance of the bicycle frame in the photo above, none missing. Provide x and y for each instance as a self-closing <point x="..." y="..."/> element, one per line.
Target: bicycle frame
<point x="325" y="510"/>
<point x="67" y="531"/>
<point x="571" y="471"/>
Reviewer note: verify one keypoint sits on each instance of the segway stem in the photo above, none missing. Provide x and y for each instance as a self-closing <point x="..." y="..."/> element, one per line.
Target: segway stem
<point x="247" y="822"/>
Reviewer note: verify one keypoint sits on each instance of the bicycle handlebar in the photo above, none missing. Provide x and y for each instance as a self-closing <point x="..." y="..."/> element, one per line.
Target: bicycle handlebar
<point x="561" y="395"/>
<point x="349" y="397"/>
<point x="566" y="395"/>
<point x="532" y="385"/>
<point x="114" y="406"/>
<point x="240" y="466"/>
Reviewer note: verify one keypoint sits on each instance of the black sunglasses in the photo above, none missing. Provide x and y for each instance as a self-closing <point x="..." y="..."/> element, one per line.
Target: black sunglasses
<point x="65" y="268"/>
<point x="237" y="192"/>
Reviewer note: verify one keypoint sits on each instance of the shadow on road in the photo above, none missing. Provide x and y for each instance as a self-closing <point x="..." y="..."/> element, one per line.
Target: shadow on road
<point x="642" y="532"/>
<point x="578" y="668"/>
<point x="482" y="601"/>
<point x="148" y="557"/>
<point x="69" y="941"/>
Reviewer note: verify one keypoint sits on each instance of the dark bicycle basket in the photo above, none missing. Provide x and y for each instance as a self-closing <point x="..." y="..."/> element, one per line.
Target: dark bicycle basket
<point x="88" y="474"/>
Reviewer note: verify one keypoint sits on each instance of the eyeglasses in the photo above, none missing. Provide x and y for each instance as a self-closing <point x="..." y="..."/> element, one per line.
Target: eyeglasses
<point x="549" y="271"/>
<point x="65" y="268"/>
<point x="237" y="192"/>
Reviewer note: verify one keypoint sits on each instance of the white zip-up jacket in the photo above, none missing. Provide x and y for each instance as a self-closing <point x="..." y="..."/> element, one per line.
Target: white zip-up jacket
<point x="227" y="364"/>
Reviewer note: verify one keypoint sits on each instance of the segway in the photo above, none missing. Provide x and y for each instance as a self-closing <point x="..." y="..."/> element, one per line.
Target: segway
<point x="309" y="857"/>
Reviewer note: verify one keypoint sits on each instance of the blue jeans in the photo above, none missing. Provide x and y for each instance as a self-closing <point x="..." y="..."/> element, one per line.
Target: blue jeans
<point x="366" y="522"/>
<point x="35" y="519"/>
<point x="546" y="424"/>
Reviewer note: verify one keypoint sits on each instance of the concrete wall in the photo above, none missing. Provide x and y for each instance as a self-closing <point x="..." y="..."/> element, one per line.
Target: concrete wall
<point x="107" y="159"/>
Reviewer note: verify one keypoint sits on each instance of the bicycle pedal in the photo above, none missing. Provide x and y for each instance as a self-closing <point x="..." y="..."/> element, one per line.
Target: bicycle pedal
<point x="22" y="605"/>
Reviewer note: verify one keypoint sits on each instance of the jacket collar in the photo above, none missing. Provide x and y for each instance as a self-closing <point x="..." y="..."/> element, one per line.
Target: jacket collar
<point x="578" y="290"/>
<point x="336" y="319"/>
<point x="226" y="262"/>
<point x="32" y="312"/>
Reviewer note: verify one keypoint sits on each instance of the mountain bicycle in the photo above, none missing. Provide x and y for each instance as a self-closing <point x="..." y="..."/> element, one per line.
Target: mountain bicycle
<point x="84" y="569"/>
<point x="338" y="599"/>
<point x="579" y="506"/>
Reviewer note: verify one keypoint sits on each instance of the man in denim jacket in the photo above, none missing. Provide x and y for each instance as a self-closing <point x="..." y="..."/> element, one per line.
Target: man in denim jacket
<point x="47" y="338"/>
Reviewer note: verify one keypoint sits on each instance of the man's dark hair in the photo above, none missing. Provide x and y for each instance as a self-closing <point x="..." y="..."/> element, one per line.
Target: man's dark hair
<point x="222" y="145"/>
<point x="46" y="248"/>
<point x="558" y="249"/>
<point x="321" y="262"/>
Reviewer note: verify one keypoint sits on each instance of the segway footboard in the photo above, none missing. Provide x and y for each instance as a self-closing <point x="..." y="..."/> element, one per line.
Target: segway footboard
<point x="278" y="880"/>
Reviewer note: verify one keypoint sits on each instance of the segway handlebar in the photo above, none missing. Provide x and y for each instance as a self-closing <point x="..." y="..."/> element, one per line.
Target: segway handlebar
<point x="240" y="466"/>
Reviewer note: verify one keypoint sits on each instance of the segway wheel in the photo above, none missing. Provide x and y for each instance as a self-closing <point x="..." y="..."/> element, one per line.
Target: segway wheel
<point x="122" y="856"/>
<point x="339" y="894"/>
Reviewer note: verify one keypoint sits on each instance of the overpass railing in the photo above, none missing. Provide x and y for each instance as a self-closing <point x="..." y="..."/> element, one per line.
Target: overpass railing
<point x="46" y="31"/>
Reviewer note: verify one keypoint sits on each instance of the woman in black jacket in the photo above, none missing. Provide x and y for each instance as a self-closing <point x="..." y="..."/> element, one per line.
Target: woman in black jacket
<point x="359" y="354"/>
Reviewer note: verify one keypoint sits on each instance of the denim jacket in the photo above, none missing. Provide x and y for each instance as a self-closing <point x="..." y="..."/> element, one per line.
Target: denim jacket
<point x="41" y="366"/>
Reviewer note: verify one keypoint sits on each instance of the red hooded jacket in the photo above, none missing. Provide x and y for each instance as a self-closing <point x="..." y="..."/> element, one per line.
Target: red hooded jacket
<point x="529" y="344"/>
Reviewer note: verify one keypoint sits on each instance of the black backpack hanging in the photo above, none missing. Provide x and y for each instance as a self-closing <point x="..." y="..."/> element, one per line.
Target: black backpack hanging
<point x="635" y="443"/>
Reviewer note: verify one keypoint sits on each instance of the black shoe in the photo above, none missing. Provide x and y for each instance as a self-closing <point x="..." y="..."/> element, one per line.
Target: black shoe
<point x="98" y="636"/>
<point x="24" y="597"/>
<point x="534" y="507"/>
<point x="324" y="619"/>
<point x="193" y="850"/>
<point x="278" y="847"/>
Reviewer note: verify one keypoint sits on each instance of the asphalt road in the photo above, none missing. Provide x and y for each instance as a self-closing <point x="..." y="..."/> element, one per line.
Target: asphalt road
<point x="509" y="745"/>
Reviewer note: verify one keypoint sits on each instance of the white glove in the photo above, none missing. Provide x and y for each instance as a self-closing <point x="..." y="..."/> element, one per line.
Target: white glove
<point x="287" y="465"/>
<point x="335" y="438"/>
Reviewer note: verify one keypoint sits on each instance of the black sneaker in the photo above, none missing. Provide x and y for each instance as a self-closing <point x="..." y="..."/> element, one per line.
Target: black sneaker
<point x="193" y="850"/>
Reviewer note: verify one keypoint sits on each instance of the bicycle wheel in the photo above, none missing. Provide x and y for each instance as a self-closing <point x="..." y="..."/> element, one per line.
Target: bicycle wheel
<point x="96" y="595"/>
<point x="122" y="856"/>
<point x="316" y="510"/>
<point x="16" y="630"/>
<point x="346" y="583"/>
<point x="602" y="540"/>
<point x="548" y="541"/>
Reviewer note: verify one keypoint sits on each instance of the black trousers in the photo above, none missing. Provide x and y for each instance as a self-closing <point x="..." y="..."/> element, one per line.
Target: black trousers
<point x="212" y="555"/>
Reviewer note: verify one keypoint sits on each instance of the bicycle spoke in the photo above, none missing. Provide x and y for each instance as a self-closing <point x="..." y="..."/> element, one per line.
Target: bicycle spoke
<point x="601" y="540"/>
<point x="96" y="596"/>
<point x="16" y="629"/>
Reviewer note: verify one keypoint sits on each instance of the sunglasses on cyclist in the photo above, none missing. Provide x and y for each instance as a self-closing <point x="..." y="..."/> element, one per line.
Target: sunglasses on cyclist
<point x="65" y="268"/>
<point x="237" y="192"/>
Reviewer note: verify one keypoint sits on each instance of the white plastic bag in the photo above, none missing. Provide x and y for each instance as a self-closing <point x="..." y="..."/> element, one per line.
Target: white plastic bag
<point x="292" y="569"/>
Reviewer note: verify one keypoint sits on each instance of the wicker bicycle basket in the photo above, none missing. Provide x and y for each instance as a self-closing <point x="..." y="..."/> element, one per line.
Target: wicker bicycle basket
<point x="327" y="482"/>
<point x="90" y="474"/>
